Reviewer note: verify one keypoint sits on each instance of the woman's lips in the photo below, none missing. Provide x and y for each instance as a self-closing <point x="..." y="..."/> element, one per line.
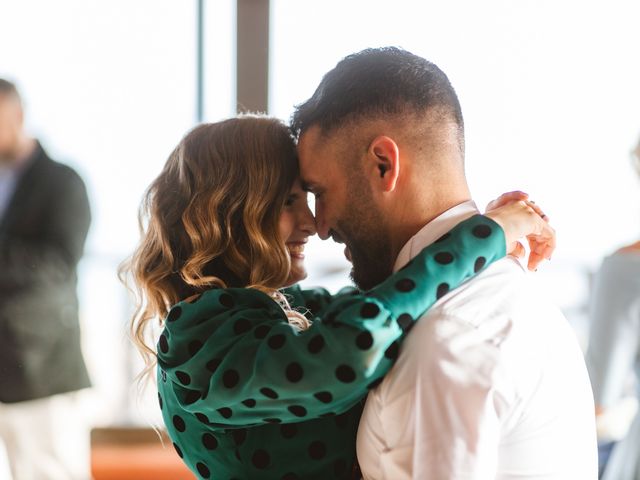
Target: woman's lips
<point x="296" y="250"/>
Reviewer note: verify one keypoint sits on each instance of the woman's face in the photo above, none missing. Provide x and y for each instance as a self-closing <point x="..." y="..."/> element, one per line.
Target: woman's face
<point x="296" y="226"/>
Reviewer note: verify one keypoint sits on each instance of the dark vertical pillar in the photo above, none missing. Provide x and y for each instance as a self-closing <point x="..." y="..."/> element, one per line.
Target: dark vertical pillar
<point x="252" y="70"/>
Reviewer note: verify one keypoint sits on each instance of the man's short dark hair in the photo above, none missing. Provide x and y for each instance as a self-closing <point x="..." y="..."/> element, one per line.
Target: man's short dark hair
<point x="375" y="83"/>
<point x="8" y="88"/>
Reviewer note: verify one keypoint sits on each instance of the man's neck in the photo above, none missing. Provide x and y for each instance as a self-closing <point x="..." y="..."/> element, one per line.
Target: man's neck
<point x="20" y="154"/>
<point x="416" y="215"/>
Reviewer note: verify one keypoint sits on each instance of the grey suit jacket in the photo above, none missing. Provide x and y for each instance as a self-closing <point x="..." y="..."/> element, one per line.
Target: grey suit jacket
<point x="42" y="237"/>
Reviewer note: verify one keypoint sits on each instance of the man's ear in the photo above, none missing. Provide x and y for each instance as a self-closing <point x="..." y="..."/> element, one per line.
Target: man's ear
<point x="385" y="155"/>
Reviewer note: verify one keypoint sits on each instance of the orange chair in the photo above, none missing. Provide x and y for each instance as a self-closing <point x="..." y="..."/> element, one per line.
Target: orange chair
<point x="134" y="454"/>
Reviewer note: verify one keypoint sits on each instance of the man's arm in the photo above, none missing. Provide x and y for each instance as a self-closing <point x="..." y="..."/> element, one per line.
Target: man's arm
<point x="54" y="255"/>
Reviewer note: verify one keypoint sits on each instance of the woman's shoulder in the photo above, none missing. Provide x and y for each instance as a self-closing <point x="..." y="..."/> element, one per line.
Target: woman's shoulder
<point x="221" y="302"/>
<point x="621" y="268"/>
<point x="634" y="248"/>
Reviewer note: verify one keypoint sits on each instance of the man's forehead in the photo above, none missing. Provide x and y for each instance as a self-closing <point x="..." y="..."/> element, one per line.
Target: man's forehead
<point x="313" y="153"/>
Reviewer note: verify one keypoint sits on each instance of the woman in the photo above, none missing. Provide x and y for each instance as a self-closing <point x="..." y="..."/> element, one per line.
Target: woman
<point x="254" y="382"/>
<point x="614" y="349"/>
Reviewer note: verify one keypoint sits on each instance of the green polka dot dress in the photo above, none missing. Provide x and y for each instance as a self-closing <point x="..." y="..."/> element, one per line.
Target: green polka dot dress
<point x="245" y="395"/>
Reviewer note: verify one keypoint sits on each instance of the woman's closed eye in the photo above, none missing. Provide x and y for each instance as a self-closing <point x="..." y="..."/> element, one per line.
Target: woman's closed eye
<point x="291" y="199"/>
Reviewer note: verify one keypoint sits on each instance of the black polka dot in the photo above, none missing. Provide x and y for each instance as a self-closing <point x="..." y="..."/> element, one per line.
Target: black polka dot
<point x="276" y="342"/>
<point x="443" y="258"/>
<point x="203" y="470"/>
<point x="298" y="410"/>
<point x="269" y="393"/>
<point x="294" y="372"/>
<point x="202" y="418"/>
<point x="375" y="383"/>
<point x="237" y="452"/>
<point x="260" y="459"/>
<point x="183" y="377"/>
<point x="164" y="376"/>
<point x="364" y="341"/>
<point x="272" y="420"/>
<point x="405" y="321"/>
<point x="479" y="265"/>
<point x="194" y="347"/>
<point x="262" y="331"/>
<point x="324" y="397"/>
<point x="345" y="374"/>
<point x="239" y="436"/>
<point x="317" y="450"/>
<point x="249" y="403"/>
<point x="481" y="231"/>
<point x="174" y="314"/>
<point x="369" y="310"/>
<point x="340" y="467"/>
<point x="192" y="397"/>
<point x="405" y="285"/>
<point x="230" y="378"/>
<point x="342" y="421"/>
<point x="225" y="412"/>
<point x="443" y="238"/>
<point x="212" y="365"/>
<point x="316" y="344"/>
<point x="290" y="476"/>
<point x="163" y="344"/>
<point x="241" y="326"/>
<point x="226" y="300"/>
<point x="289" y="430"/>
<point x="178" y="423"/>
<point x="392" y="352"/>
<point x="160" y="400"/>
<point x="209" y="441"/>
<point x="178" y="451"/>
<point x="443" y="289"/>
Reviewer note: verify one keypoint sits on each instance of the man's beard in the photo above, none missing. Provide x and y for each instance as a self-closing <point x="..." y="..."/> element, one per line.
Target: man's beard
<point x="363" y="230"/>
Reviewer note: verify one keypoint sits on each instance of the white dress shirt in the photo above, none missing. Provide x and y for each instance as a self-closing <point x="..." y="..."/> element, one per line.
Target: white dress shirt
<point x="489" y="384"/>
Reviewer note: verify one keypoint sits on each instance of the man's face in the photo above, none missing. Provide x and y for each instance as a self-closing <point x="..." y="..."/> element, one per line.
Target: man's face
<point x="10" y="127"/>
<point x="346" y="209"/>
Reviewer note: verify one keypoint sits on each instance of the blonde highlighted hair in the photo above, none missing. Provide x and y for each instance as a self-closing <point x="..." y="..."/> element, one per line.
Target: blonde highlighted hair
<point x="211" y="219"/>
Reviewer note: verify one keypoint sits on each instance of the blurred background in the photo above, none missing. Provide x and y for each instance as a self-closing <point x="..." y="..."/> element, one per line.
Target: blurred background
<point x="549" y="90"/>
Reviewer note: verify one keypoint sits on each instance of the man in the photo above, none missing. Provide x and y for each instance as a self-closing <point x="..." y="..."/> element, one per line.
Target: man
<point x="491" y="383"/>
<point x="44" y="219"/>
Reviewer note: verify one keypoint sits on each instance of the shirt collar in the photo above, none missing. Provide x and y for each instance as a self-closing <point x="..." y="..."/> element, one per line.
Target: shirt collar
<point x="434" y="230"/>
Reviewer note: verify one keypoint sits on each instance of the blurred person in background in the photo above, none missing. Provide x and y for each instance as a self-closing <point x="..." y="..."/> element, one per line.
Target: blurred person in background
<point x="613" y="355"/>
<point x="44" y="219"/>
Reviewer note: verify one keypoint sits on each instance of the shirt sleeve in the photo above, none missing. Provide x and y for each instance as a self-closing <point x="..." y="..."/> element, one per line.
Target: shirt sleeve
<point x="234" y="359"/>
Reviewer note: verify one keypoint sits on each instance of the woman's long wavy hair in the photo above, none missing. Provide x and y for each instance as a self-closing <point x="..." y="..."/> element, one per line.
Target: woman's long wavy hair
<point x="210" y="219"/>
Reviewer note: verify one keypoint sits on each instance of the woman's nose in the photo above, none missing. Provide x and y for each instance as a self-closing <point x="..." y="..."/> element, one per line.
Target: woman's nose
<point x="307" y="222"/>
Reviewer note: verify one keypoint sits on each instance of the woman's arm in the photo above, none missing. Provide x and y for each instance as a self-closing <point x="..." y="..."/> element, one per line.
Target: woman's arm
<point x="233" y="356"/>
